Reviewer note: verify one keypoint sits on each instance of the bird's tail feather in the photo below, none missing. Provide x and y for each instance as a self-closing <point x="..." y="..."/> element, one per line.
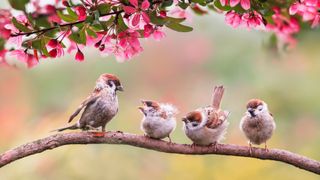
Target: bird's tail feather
<point x="75" y="126"/>
<point x="217" y="96"/>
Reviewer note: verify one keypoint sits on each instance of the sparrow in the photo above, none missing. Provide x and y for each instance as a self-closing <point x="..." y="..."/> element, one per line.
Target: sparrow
<point x="99" y="107"/>
<point x="158" y="119"/>
<point x="207" y="125"/>
<point x="257" y="124"/>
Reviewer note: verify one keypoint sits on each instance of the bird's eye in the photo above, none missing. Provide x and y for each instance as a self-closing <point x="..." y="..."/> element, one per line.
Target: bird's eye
<point x="260" y="109"/>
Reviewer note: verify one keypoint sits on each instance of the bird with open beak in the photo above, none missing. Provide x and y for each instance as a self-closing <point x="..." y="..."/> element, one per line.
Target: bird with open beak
<point x="158" y="119"/>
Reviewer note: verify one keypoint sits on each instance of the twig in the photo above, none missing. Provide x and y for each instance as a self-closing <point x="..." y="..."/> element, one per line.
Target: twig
<point x="58" y="140"/>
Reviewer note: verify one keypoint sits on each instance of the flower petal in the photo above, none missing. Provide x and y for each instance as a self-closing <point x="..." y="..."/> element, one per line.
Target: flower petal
<point x="233" y="3"/>
<point x="136" y="19"/>
<point x="129" y="9"/>
<point x="134" y="3"/>
<point x="145" y="5"/>
<point x="245" y="4"/>
<point x="223" y="2"/>
<point x="145" y="17"/>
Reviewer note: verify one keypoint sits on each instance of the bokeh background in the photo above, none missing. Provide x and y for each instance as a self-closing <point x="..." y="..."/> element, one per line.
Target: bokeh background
<point x="181" y="69"/>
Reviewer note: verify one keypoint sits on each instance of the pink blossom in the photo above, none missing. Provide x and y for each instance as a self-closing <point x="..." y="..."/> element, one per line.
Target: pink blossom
<point x="233" y="19"/>
<point x="308" y="9"/>
<point x="180" y="13"/>
<point x="158" y="34"/>
<point x="5" y="18"/>
<point x="3" y="56"/>
<point x="138" y="11"/>
<point x="29" y="59"/>
<point x="245" y="4"/>
<point x="79" y="56"/>
<point x="81" y="12"/>
<point x="16" y="40"/>
<point x="284" y="27"/>
<point x="252" y="19"/>
<point x="154" y="31"/>
<point x="55" y="48"/>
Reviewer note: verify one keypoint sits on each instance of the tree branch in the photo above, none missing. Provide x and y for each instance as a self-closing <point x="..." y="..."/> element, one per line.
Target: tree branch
<point x="59" y="26"/>
<point x="58" y="140"/>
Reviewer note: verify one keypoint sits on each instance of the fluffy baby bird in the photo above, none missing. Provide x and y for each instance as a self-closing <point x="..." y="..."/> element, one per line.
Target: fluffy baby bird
<point x="208" y="125"/>
<point x="258" y="123"/>
<point x="99" y="107"/>
<point x="158" y="119"/>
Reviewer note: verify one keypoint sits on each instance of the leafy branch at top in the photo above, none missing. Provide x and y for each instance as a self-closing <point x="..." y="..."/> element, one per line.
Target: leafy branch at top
<point x="117" y="26"/>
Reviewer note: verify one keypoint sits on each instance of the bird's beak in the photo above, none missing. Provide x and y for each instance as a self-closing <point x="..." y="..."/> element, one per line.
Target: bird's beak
<point x="252" y="113"/>
<point x="142" y="110"/>
<point x="119" y="88"/>
<point x="184" y="120"/>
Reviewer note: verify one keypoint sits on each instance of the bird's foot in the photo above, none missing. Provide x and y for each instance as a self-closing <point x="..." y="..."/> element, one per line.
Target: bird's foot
<point x="266" y="147"/>
<point x="214" y="145"/>
<point x="250" y="148"/>
<point x="169" y="139"/>
<point x="193" y="145"/>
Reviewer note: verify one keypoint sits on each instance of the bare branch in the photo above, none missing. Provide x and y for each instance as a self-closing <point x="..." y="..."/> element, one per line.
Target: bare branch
<point x="58" y="140"/>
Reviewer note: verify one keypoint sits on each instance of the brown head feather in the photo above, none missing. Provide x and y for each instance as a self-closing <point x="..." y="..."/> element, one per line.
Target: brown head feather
<point x="254" y="103"/>
<point x="110" y="77"/>
<point x="194" y="116"/>
<point x="153" y="104"/>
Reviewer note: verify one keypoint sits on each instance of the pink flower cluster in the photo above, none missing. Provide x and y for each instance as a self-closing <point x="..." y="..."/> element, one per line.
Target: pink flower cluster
<point x="284" y="27"/>
<point x="250" y="19"/>
<point x="308" y="9"/>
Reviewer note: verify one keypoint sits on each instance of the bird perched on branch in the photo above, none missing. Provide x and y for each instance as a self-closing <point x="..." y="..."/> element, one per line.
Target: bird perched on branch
<point x="99" y="107"/>
<point x="158" y="119"/>
<point x="207" y="125"/>
<point x="258" y="123"/>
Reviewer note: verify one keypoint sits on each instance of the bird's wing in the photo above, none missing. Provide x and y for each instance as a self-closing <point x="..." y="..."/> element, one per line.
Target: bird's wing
<point x="89" y="100"/>
<point x="216" y="118"/>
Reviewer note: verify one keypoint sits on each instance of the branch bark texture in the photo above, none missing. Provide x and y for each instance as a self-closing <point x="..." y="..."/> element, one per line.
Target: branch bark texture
<point x="58" y="140"/>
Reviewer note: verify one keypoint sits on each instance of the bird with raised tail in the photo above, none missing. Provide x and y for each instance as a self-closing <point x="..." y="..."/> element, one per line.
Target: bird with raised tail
<point x="99" y="107"/>
<point x="158" y="119"/>
<point x="257" y="124"/>
<point x="207" y="125"/>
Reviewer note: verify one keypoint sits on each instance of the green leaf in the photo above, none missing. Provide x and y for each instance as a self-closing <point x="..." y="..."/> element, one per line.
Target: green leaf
<point x="82" y="36"/>
<point x="183" y="5"/>
<point x="91" y="33"/>
<point x="97" y="27"/>
<point x="218" y="5"/>
<point x="19" y="4"/>
<point x="198" y="10"/>
<point x="36" y="44"/>
<point x="166" y="3"/>
<point x="178" y="27"/>
<point x="2" y="43"/>
<point x="104" y="8"/>
<point x="75" y="37"/>
<point x="156" y="19"/>
<point x="42" y="22"/>
<point x="20" y="26"/>
<point x="121" y="25"/>
<point x="66" y="17"/>
<point x="72" y="13"/>
<point x="201" y="2"/>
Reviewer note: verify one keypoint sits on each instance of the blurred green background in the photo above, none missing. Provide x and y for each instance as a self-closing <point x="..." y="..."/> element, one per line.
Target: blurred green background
<point x="181" y="69"/>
